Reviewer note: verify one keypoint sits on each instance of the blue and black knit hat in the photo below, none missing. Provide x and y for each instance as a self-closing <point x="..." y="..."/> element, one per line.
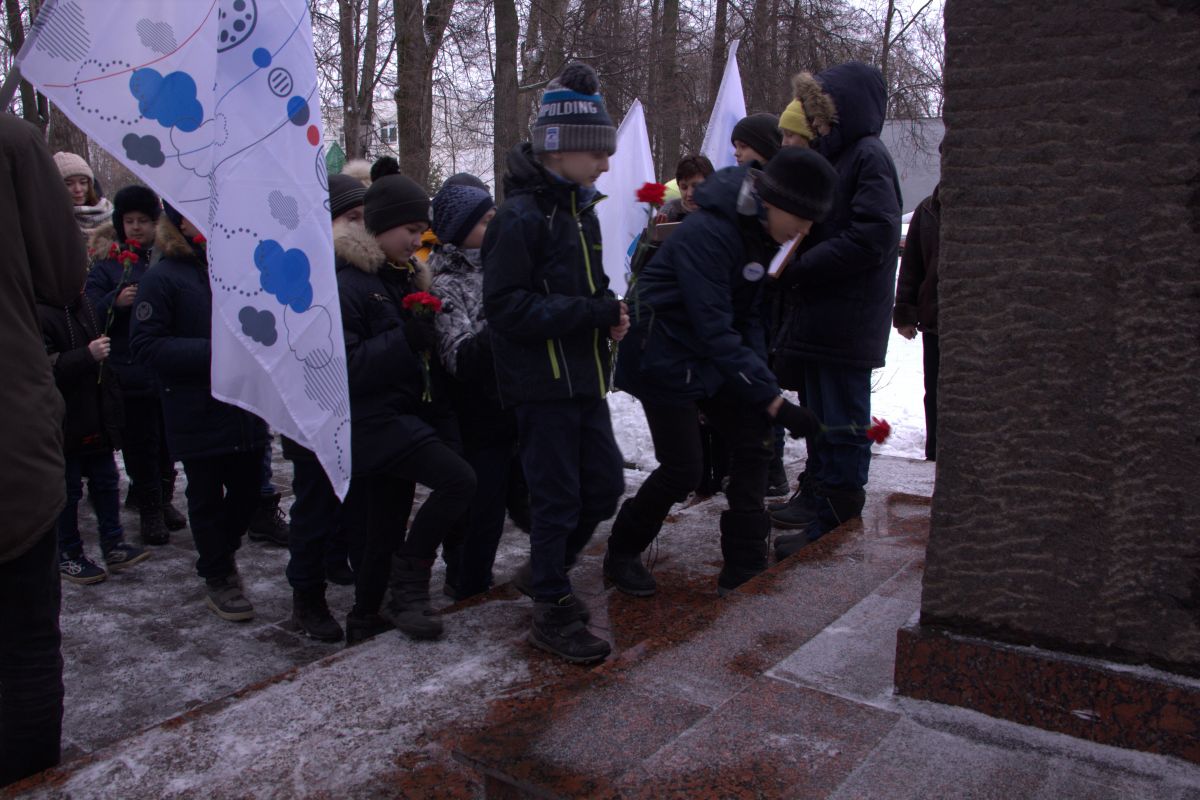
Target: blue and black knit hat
<point x="457" y="210"/>
<point x="572" y="117"/>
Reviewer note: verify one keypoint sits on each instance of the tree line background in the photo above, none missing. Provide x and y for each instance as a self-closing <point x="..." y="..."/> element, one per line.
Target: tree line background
<point x="452" y="85"/>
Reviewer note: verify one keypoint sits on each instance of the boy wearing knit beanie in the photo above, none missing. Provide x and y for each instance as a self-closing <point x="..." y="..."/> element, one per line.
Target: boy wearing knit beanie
<point x="553" y="321"/>
<point x="755" y="138"/>
<point x="393" y="410"/>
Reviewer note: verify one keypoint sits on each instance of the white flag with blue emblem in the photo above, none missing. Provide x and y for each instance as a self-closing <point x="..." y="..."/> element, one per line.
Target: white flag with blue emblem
<point x="622" y="217"/>
<point x="213" y="104"/>
<point x="727" y="112"/>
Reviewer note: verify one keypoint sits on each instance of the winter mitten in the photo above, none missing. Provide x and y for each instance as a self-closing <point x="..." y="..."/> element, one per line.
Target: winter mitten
<point x="798" y="420"/>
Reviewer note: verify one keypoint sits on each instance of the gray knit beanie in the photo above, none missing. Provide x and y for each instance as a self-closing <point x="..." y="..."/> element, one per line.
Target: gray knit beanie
<point x="572" y="117"/>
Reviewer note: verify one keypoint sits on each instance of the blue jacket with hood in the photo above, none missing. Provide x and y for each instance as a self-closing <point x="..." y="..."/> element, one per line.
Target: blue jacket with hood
<point x="695" y="307"/>
<point x="839" y="289"/>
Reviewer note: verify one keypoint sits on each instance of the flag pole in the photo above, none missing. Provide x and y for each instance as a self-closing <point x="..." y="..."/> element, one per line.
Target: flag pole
<point x="9" y="89"/>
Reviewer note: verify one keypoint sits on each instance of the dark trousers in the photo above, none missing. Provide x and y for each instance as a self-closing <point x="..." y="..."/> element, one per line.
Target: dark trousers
<point x="932" y="356"/>
<point x="315" y="519"/>
<point x="31" y="687"/>
<point x="484" y="521"/>
<point x="839" y="396"/>
<point x="576" y="476"/>
<point x="100" y="469"/>
<point x="377" y="508"/>
<point x="144" y="449"/>
<point x="266" y="487"/>
<point x="749" y="436"/>
<point x="222" y="493"/>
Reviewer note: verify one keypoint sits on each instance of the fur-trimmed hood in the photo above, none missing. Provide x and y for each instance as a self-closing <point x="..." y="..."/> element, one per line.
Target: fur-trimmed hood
<point x="851" y="97"/>
<point x="169" y="241"/>
<point x="818" y="106"/>
<point x="101" y="240"/>
<point x="355" y="247"/>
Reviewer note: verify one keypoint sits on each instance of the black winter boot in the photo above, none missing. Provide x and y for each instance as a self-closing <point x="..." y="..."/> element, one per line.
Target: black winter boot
<point x="559" y="628"/>
<point x="310" y="613"/>
<point x="522" y="581"/>
<point x="173" y="518"/>
<point x="830" y="508"/>
<point x="627" y="572"/>
<point x="777" y="479"/>
<point x="744" y="547"/>
<point x="799" y="510"/>
<point x="363" y="626"/>
<point x="151" y="529"/>
<point x="409" y="607"/>
<point x="269" y="525"/>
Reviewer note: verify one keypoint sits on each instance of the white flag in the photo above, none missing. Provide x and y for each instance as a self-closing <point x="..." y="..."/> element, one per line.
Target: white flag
<point x="213" y="103"/>
<point x="728" y="110"/>
<point x="622" y="218"/>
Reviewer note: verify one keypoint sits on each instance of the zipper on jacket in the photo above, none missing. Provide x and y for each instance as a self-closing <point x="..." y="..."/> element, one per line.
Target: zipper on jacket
<point x="587" y="266"/>
<point x="553" y="359"/>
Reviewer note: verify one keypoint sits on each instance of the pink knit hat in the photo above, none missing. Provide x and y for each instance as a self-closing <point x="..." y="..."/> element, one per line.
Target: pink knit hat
<point x="70" y="164"/>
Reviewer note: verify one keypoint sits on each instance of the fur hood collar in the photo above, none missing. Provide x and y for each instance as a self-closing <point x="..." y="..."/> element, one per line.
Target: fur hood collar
<point x="353" y="246"/>
<point x="170" y="243"/>
<point x="101" y="240"/>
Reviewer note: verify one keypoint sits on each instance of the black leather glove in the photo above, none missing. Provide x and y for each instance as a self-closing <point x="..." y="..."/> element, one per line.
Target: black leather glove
<point x="420" y="333"/>
<point x="798" y="420"/>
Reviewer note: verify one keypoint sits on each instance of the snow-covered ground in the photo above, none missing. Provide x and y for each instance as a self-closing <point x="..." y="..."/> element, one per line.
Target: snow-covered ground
<point x="898" y="391"/>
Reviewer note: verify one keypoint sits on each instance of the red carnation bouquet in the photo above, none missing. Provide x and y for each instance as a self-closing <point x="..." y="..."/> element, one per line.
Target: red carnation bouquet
<point x="127" y="259"/>
<point x="421" y="304"/>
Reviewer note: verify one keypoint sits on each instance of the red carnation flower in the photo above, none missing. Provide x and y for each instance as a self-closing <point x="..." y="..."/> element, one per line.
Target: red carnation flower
<point x="652" y="193"/>
<point x="199" y="239"/>
<point x="422" y="302"/>
<point x="879" y="430"/>
<point x="114" y="250"/>
<point x="128" y="257"/>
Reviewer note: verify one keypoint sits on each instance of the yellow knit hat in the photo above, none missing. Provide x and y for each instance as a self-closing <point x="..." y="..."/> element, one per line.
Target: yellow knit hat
<point x="794" y="120"/>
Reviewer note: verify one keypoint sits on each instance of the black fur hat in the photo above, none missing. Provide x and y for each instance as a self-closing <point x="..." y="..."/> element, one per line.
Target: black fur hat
<point x="134" y="198"/>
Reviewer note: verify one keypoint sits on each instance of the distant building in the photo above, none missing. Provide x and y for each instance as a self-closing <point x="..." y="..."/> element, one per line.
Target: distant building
<point x="913" y="144"/>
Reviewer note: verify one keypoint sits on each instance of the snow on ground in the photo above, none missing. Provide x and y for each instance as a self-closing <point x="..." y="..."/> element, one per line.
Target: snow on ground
<point x="897" y="395"/>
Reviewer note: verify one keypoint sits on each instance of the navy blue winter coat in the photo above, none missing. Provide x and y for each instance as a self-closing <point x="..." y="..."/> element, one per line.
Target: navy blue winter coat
<point x="385" y="376"/>
<point x="171" y="334"/>
<point x="104" y="282"/>
<point x="545" y="293"/>
<point x="839" y="290"/>
<point x="696" y="306"/>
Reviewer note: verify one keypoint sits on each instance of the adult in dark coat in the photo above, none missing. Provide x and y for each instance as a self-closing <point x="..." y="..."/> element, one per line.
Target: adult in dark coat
<point x="697" y="344"/>
<point x="917" y="301"/>
<point x="392" y="440"/>
<point x="43" y="258"/>
<point x="112" y="286"/>
<point x="838" y="294"/>
<point x="220" y="445"/>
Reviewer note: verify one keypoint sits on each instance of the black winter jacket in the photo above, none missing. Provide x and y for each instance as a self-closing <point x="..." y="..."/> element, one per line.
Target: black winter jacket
<point x="171" y="334"/>
<point x="105" y="280"/>
<point x="95" y="413"/>
<point x="840" y="288"/>
<point x="696" y="306"/>
<point x="916" y="290"/>
<point x="385" y="375"/>
<point x="545" y="293"/>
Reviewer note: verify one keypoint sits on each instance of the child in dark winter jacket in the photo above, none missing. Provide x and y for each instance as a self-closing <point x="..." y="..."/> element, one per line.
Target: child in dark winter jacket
<point x="220" y="445"/>
<point x="112" y="285"/>
<point x="552" y="317"/>
<point x="698" y="344"/>
<point x="393" y="443"/>
<point x="489" y="432"/>
<point x="79" y="350"/>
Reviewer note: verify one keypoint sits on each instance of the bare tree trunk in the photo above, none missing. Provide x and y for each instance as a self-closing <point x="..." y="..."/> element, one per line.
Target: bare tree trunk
<point x="719" y="49"/>
<point x="351" y="117"/>
<point x="887" y="44"/>
<point x="16" y="36"/>
<point x="670" y="94"/>
<point x="368" y="78"/>
<point x="64" y="135"/>
<point x="505" y="111"/>
<point x="419" y="32"/>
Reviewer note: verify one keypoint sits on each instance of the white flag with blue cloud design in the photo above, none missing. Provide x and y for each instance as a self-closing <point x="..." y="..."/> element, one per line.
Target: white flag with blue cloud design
<point x="213" y="104"/>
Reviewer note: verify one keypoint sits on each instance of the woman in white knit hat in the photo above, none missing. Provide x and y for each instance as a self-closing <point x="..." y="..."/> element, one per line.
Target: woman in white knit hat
<point x="91" y="210"/>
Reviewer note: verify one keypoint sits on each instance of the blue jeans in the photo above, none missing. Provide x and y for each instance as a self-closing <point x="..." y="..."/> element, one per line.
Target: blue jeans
<point x="576" y="476"/>
<point x="839" y="396"/>
<point x="101" y="471"/>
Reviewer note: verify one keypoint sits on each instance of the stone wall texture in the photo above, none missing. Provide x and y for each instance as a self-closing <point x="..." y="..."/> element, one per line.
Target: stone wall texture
<point x="1067" y="508"/>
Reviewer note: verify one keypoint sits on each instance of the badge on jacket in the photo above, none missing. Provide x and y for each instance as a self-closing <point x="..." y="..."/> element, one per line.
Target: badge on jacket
<point x="143" y="311"/>
<point x="754" y="271"/>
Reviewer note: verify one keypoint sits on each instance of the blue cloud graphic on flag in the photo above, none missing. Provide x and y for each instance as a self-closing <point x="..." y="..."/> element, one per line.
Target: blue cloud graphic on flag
<point x="170" y="100"/>
<point x="284" y="273"/>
